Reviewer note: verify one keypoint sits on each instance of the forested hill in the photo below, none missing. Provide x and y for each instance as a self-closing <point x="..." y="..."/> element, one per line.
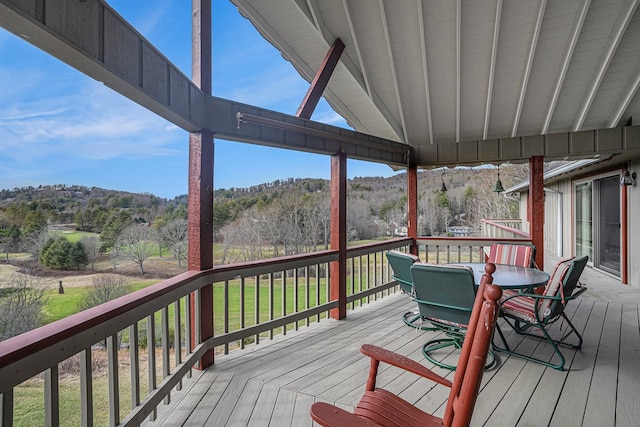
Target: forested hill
<point x="376" y="198"/>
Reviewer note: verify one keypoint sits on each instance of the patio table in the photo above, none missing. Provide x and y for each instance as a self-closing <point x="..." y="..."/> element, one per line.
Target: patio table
<point x="510" y="276"/>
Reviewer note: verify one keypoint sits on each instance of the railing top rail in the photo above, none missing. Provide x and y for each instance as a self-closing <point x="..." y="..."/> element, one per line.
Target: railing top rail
<point x="497" y="224"/>
<point x="469" y="241"/>
<point x="16" y="348"/>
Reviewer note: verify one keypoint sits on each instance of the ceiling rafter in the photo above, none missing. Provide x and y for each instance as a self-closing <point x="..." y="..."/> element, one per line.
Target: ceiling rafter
<point x="615" y="37"/>
<point x="423" y="45"/>
<point x="458" y="71"/>
<point x="628" y="94"/>
<point x="492" y="67"/>
<point x="573" y="40"/>
<point x="313" y="9"/>
<point x="309" y="8"/>
<point x="527" y="70"/>
<point x="356" y="45"/>
<point x="394" y="76"/>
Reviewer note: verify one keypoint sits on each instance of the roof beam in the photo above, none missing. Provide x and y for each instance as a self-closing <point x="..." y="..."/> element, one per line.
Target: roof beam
<point x="573" y="40"/>
<point x="458" y="59"/>
<point x="527" y="70"/>
<point x="173" y="95"/>
<point x="321" y="80"/>
<point x="558" y="146"/>
<point x="394" y="76"/>
<point x="620" y="27"/>
<point x="492" y="67"/>
<point x="423" y="45"/>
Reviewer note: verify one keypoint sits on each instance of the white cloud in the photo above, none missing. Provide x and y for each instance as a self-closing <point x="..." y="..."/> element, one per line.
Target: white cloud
<point x="91" y="122"/>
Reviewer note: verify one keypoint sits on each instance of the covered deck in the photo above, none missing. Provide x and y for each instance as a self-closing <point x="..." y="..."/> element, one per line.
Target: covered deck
<point x="275" y="382"/>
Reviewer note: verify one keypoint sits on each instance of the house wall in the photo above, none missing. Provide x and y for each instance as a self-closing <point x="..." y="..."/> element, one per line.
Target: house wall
<point x="559" y="204"/>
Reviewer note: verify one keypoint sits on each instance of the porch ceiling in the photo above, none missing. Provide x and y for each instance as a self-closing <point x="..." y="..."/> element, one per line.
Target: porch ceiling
<point x="432" y="72"/>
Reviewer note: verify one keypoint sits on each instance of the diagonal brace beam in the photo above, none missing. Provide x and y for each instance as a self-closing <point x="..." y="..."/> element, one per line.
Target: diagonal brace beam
<point x="321" y="80"/>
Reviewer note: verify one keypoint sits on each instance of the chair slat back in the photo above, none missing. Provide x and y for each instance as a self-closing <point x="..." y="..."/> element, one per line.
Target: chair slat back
<point x="468" y="375"/>
<point x="444" y="292"/>
<point x="512" y="254"/>
<point x="401" y="263"/>
<point x="561" y="284"/>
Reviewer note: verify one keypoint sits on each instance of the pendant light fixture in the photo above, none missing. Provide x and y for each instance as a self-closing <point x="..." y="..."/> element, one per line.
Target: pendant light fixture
<point x="498" y="187"/>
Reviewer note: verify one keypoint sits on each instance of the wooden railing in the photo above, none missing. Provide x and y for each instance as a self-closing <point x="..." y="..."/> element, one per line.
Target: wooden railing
<point x="503" y="229"/>
<point x="127" y="355"/>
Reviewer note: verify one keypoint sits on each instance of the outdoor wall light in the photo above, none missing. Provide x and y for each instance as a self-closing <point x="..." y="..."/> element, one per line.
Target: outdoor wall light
<point x="443" y="189"/>
<point x="628" y="178"/>
<point x="498" y="187"/>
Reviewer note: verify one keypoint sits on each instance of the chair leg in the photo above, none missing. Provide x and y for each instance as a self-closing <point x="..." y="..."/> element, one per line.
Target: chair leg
<point x="414" y="320"/>
<point x="545" y="336"/>
<point x="456" y="342"/>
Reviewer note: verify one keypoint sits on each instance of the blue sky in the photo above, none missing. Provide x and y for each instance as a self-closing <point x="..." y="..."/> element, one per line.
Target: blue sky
<point x="58" y="126"/>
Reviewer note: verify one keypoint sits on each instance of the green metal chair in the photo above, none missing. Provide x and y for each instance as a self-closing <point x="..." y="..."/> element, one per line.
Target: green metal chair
<point x="531" y="314"/>
<point x="445" y="296"/>
<point x="401" y="263"/>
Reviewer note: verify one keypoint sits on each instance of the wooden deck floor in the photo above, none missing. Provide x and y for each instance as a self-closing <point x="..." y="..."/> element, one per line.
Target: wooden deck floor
<point x="275" y="382"/>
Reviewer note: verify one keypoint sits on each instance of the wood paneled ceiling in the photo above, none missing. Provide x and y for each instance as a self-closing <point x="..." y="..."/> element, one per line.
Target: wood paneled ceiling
<point x="431" y="72"/>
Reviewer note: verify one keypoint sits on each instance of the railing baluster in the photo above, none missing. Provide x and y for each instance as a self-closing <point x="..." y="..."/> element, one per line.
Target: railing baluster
<point x="352" y="281"/>
<point x="51" y="397"/>
<point x="318" y="289"/>
<point x="271" y="301"/>
<point x="284" y="299"/>
<point x="307" y="300"/>
<point x="242" y="303"/>
<point x="134" y="362"/>
<point x="86" y="388"/>
<point x="6" y="408"/>
<point x="188" y="326"/>
<point x="257" y="306"/>
<point x="295" y="295"/>
<point x="226" y="313"/>
<point x="114" y="386"/>
<point x="177" y="338"/>
<point x="166" y="366"/>
<point x="151" y="356"/>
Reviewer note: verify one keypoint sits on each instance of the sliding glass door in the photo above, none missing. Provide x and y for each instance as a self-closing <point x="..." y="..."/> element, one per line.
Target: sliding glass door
<point x="598" y="221"/>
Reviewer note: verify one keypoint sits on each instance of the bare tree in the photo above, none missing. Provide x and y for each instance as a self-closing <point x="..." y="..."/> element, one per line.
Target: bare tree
<point x="92" y="248"/>
<point x="136" y="243"/>
<point x="174" y="236"/>
<point x="21" y="305"/>
<point x="103" y="288"/>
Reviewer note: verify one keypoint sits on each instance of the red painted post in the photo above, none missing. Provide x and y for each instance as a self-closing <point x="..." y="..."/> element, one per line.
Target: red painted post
<point x="338" y="283"/>
<point x="412" y="207"/>
<point x="200" y="254"/>
<point x="535" y="207"/>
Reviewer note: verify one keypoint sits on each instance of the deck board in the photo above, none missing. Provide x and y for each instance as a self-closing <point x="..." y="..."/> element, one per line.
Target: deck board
<point x="276" y="382"/>
<point x="628" y="404"/>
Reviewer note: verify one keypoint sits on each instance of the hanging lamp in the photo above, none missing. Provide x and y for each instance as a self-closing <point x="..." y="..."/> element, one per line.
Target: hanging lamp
<point x="498" y="188"/>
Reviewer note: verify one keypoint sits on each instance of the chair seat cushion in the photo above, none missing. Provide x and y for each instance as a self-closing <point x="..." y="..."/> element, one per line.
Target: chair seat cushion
<point x="387" y="409"/>
<point x="520" y="308"/>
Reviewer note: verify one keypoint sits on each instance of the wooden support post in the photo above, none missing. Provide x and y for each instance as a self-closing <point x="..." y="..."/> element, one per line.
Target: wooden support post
<point x="338" y="283"/>
<point x="535" y="207"/>
<point x="412" y="206"/>
<point x="200" y="253"/>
